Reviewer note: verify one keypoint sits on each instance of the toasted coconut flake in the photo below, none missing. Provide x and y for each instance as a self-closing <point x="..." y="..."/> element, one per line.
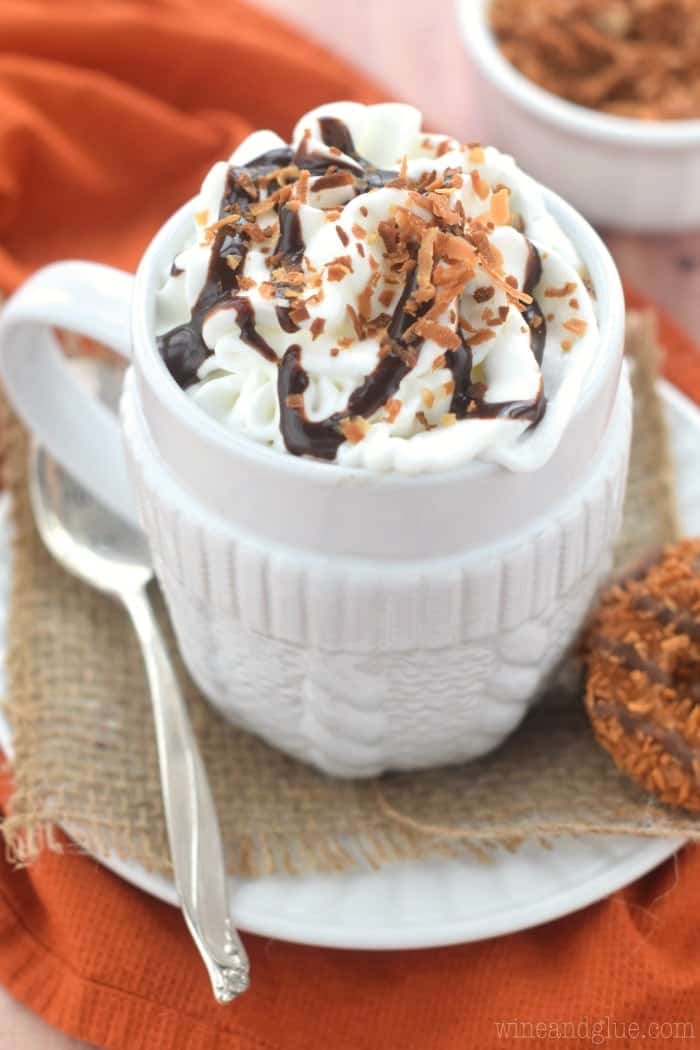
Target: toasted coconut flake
<point x="301" y="187"/>
<point x="356" y="322"/>
<point x="500" y="207"/>
<point x="299" y="313"/>
<point x="338" y="269"/>
<point x="632" y="58"/>
<point x="228" y="220"/>
<point x="426" y="328"/>
<point x="481" y="336"/>
<point x="262" y="206"/>
<point x="425" y="260"/>
<point x="317" y="326"/>
<point x="500" y="318"/>
<point x="457" y="249"/>
<point x="479" y="185"/>
<point x="576" y="325"/>
<point x="392" y="409"/>
<point x="281" y="175"/>
<point x="250" y="229"/>
<point x="560" y="293"/>
<point x="427" y="397"/>
<point x="440" y="207"/>
<point x="354" y="429"/>
<point x="448" y="419"/>
<point x="244" y="180"/>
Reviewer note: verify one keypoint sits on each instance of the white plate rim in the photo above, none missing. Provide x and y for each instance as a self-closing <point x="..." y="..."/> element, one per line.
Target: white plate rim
<point x="643" y="855"/>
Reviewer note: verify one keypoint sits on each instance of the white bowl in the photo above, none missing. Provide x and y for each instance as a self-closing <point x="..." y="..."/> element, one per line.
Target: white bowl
<point x="619" y="172"/>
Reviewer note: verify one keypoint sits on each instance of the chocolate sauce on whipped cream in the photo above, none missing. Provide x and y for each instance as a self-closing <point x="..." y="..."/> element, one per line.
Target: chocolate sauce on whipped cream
<point x="532" y="314"/>
<point x="245" y="315"/>
<point x="323" y="438"/>
<point x="290" y="243"/>
<point x="183" y="348"/>
<point x="336" y="133"/>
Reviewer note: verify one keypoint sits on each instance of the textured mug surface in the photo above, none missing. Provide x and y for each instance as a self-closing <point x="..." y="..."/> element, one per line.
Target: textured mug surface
<point x="385" y="666"/>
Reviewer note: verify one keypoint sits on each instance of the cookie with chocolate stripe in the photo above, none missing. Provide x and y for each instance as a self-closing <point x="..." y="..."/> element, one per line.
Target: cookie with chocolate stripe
<point x="643" y="675"/>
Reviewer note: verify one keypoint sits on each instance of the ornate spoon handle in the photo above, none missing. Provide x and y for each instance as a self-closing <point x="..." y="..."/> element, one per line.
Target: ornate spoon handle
<point x="193" y="829"/>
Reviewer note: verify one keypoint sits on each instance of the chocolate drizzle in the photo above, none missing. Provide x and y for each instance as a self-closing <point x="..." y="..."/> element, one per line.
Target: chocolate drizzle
<point x="670" y="740"/>
<point x="290" y="243"/>
<point x="663" y="614"/>
<point x="301" y="435"/>
<point x="284" y="319"/>
<point x="468" y="399"/>
<point x="336" y="134"/>
<point x="530" y="409"/>
<point x="460" y="364"/>
<point x="183" y="348"/>
<point x="245" y="315"/>
<point x="322" y="438"/>
<point x="629" y="657"/>
<point x="532" y="314"/>
<point x="241" y="181"/>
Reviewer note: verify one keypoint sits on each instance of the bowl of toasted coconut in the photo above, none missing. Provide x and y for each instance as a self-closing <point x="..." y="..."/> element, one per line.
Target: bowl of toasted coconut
<point x="599" y="99"/>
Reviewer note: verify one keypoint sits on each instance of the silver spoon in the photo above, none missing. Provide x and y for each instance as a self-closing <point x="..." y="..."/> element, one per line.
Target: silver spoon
<point x="97" y="546"/>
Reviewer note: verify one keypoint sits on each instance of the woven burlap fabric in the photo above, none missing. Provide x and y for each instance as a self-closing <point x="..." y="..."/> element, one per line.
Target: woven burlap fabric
<point x="85" y="753"/>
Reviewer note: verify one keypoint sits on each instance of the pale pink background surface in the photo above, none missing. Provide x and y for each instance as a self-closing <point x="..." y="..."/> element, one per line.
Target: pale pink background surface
<point x="415" y="49"/>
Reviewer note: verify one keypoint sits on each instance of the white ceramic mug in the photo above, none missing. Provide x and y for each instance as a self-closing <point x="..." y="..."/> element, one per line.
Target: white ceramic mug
<point x="360" y="622"/>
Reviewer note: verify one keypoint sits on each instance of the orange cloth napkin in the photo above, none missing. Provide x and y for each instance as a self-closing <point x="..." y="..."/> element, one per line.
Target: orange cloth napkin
<point x="109" y="116"/>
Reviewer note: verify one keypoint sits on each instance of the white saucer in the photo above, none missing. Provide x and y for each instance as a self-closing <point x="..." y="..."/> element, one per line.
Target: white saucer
<point x="439" y="902"/>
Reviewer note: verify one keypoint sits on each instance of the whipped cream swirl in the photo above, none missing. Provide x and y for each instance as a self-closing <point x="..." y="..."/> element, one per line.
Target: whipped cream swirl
<point x="379" y="296"/>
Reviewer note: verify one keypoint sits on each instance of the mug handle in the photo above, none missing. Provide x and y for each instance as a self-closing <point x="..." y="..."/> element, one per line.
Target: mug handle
<point x="77" y="429"/>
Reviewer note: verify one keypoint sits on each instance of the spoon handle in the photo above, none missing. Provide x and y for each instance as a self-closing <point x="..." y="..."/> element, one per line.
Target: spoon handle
<point x="196" y="848"/>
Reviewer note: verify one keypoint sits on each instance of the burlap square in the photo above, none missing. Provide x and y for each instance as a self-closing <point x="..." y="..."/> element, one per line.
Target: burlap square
<point x="85" y="752"/>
